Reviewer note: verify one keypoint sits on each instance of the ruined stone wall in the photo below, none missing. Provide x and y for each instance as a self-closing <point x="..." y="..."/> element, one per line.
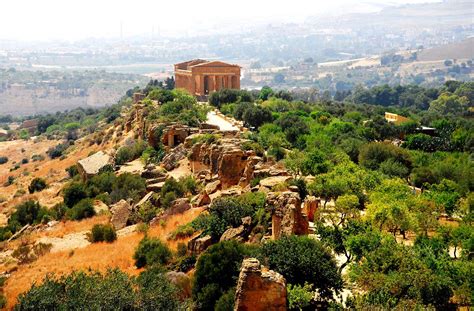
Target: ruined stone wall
<point x="259" y="289"/>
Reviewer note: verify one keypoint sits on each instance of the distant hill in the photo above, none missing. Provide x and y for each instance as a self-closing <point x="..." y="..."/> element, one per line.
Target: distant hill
<point x="458" y="50"/>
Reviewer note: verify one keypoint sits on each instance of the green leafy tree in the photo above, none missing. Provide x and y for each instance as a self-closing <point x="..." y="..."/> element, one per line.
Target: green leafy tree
<point x="303" y="260"/>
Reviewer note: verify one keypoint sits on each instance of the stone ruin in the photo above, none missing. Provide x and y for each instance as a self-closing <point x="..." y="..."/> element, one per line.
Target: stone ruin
<point x="287" y="215"/>
<point x="259" y="289"/>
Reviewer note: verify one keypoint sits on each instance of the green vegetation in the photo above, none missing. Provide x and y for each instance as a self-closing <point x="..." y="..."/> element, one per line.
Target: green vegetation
<point x="37" y="184"/>
<point x="103" y="233"/>
<point x="151" y="251"/>
<point x="105" y="186"/>
<point x="113" y="290"/>
<point x="217" y="270"/>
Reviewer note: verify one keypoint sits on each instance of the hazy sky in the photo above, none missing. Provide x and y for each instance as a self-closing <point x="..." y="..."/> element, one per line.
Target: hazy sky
<point x="78" y="19"/>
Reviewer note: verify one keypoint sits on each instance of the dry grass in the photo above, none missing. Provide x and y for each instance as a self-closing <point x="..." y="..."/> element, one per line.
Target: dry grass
<point x="98" y="256"/>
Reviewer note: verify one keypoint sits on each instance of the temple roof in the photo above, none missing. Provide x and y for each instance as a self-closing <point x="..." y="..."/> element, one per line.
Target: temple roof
<point x="202" y="63"/>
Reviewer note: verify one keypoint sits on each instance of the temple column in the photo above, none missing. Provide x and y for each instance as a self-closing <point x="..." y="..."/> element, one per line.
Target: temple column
<point x="201" y="85"/>
<point x="214" y="83"/>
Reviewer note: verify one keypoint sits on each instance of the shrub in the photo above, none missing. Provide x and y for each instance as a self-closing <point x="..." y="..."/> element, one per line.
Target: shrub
<point x="73" y="193"/>
<point x="83" y="209"/>
<point x="171" y="190"/>
<point x="113" y="290"/>
<point x="156" y="292"/>
<point x="27" y="213"/>
<point x="37" y="157"/>
<point x="72" y="170"/>
<point x="57" y="151"/>
<point x="129" y="153"/>
<point x="103" y="233"/>
<point x="3" y="160"/>
<point x="37" y="185"/>
<point x="217" y="270"/>
<point x="303" y="259"/>
<point x="151" y="251"/>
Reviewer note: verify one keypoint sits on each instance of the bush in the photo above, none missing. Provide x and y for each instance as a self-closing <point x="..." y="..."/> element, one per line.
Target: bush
<point x="171" y="190"/>
<point x="57" y="151"/>
<point x="151" y="251"/>
<point x="73" y="193"/>
<point x="83" y="209"/>
<point x="72" y="170"/>
<point x="3" y="160"/>
<point x="37" y="185"/>
<point x="303" y="259"/>
<point x="103" y="233"/>
<point x="217" y="270"/>
<point x="129" y="153"/>
<point x="27" y="213"/>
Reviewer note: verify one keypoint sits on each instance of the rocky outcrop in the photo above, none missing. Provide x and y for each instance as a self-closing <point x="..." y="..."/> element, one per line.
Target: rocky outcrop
<point x="224" y="158"/>
<point x="202" y="199"/>
<point x="259" y="289"/>
<point x="93" y="164"/>
<point x="310" y="206"/>
<point x="213" y="186"/>
<point x="271" y="182"/>
<point x="240" y="233"/>
<point x="121" y="212"/>
<point x="171" y="159"/>
<point x="287" y="215"/>
<point x="199" y="244"/>
<point x="153" y="172"/>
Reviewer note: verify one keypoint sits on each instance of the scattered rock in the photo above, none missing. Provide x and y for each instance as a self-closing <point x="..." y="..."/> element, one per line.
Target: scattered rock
<point x="92" y="165"/>
<point x="120" y="213"/>
<point x="202" y="199"/>
<point x="199" y="244"/>
<point x="171" y="159"/>
<point x="155" y="187"/>
<point x="144" y="200"/>
<point x="239" y="234"/>
<point x="271" y="182"/>
<point x="100" y="207"/>
<point x="213" y="186"/>
<point x="259" y="289"/>
<point x="153" y="172"/>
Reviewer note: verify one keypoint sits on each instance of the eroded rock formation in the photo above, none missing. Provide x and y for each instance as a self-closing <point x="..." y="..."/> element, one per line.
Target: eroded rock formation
<point x="259" y="289"/>
<point x="287" y="215"/>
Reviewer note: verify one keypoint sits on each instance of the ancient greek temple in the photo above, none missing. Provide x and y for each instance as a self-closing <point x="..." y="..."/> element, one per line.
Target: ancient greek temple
<point x="201" y="77"/>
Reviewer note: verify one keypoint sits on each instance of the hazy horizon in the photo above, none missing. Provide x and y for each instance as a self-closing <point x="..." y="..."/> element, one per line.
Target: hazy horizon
<point x="28" y="20"/>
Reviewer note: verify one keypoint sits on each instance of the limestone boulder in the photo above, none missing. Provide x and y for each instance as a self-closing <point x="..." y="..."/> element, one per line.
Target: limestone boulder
<point x="213" y="186"/>
<point x="202" y="199"/>
<point x="121" y="212"/>
<point x="271" y="182"/>
<point x="240" y="233"/>
<point x="259" y="289"/>
<point x="287" y="215"/>
<point x="93" y="164"/>
<point x="100" y="207"/>
<point x="199" y="244"/>
<point x="171" y="159"/>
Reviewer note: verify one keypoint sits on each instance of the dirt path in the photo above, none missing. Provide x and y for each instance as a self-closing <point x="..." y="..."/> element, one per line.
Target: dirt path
<point x="224" y="125"/>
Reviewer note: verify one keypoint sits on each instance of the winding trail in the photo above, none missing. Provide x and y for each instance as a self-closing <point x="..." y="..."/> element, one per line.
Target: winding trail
<point x="215" y="119"/>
